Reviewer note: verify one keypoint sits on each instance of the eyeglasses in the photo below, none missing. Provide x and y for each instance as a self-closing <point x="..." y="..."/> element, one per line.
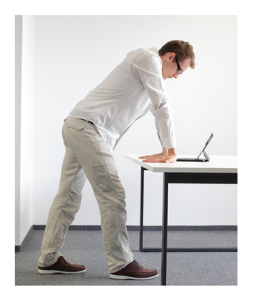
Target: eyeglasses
<point x="179" y="70"/>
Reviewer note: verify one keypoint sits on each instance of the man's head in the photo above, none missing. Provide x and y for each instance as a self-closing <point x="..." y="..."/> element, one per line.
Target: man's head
<point x="176" y="55"/>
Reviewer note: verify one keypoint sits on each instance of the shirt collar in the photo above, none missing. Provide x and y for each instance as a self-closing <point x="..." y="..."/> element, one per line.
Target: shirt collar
<point x="154" y="49"/>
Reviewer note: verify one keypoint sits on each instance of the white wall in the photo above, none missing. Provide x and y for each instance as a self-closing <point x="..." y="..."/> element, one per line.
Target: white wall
<point x="25" y="27"/>
<point x="73" y="54"/>
<point x="18" y="70"/>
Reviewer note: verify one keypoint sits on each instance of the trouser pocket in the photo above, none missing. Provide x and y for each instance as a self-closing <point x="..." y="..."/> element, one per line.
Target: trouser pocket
<point x="75" y="123"/>
<point x="103" y="178"/>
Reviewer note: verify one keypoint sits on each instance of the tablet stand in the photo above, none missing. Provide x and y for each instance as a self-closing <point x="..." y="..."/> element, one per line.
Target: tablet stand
<point x="206" y="156"/>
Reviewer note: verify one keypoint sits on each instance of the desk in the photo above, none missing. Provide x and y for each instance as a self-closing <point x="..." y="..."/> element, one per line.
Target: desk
<point x="219" y="170"/>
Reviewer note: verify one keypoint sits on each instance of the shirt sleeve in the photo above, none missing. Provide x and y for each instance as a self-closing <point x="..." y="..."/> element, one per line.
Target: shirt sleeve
<point x="149" y="70"/>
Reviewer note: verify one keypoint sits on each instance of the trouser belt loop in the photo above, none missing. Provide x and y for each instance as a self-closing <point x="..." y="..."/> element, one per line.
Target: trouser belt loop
<point x="88" y="121"/>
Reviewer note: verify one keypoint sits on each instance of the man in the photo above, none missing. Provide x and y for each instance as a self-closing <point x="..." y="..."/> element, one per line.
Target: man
<point x="90" y="134"/>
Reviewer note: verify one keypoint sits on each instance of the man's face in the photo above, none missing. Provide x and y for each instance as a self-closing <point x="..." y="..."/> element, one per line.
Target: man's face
<point x="169" y="65"/>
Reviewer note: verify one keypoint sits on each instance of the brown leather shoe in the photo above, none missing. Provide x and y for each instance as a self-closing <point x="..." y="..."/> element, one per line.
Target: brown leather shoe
<point x="63" y="267"/>
<point x="134" y="271"/>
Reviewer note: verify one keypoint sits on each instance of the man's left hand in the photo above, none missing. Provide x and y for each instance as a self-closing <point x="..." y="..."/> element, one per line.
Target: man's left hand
<point x="166" y="159"/>
<point x="169" y="156"/>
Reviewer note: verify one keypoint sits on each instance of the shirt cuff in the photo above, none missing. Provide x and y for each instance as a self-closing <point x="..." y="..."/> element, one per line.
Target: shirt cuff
<point x="169" y="142"/>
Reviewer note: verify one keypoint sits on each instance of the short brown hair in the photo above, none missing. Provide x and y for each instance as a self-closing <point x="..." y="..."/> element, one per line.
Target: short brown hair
<point x="183" y="50"/>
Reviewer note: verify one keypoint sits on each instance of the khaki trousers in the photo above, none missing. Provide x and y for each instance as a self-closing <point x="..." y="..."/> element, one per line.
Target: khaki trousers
<point x="87" y="156"/>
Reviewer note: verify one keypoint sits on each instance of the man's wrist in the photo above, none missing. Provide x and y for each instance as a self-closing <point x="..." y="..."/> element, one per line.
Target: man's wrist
<point x="172" y="151"/>
<point x="165" y="151"/>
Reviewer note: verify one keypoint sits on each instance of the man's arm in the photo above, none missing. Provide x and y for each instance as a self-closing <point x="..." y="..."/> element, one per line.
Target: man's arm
<point x="150" y="74"/>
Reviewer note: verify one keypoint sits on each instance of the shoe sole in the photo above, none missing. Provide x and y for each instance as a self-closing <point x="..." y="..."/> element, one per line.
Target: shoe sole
<point x="59" y="272"/>
<point x="129" y="277"/>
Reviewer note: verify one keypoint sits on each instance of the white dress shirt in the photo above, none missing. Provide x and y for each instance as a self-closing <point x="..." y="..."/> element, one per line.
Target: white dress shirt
<point x="133" y="88"/>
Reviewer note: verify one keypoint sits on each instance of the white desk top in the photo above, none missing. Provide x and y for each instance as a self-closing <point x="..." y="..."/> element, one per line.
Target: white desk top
<point x="217" y="164"/>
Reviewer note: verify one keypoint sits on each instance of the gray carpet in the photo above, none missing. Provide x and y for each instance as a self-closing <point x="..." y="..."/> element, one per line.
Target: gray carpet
<point x="183" y="268"/>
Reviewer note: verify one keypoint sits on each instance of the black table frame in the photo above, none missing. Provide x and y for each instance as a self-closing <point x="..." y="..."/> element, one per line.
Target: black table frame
<point x="210" y="178"/>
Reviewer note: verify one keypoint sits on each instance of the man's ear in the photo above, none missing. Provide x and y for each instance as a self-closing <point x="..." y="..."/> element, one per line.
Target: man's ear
<point x="170" y="56"/>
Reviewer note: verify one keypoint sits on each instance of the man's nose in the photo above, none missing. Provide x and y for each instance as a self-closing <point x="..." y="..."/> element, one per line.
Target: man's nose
<point x="176" y="75"/>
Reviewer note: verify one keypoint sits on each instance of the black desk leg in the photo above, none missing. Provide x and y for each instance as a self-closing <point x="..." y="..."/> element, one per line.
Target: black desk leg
<point x="164" y="230"/>
<point x="164" y="224"/>
<point x="141" y="209"/>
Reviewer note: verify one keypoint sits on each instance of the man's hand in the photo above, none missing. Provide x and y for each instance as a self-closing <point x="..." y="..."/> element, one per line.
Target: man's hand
<point x="165" y="156"/>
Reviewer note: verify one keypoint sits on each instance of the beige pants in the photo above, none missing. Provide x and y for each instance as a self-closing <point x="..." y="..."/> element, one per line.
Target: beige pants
<point x="87" y="156"/>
